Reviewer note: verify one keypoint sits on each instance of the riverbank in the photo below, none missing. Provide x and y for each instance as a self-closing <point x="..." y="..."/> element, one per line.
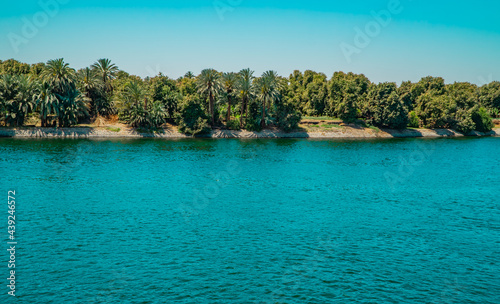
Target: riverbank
<point x="347" y="131"/>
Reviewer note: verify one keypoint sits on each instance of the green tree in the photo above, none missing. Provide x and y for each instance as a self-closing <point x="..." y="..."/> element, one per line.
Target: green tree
<point x="384" y="107"/>
<point x="94" y="90"/>
<point x="245" y="91"/>
<point x="61" y="78"/>
<point x="72" y="107"/>
<point x="189" y="75"/>
<point x="482" y="120"/>
<point x="166" y="91"/>
<point x="489" y="97"/>
<point x="107" y="71"/>
<point x="46" y="101"/>
<point x="229" y="83"/>
<point x="267" y="88"/>
<point x="14" y="67"/>
<point x="347" y="92"/>
<point x="209" y="84"/>
<point x="315" y="94"/>
<point x="191" y="118"/>
<point x="16" y="95"/>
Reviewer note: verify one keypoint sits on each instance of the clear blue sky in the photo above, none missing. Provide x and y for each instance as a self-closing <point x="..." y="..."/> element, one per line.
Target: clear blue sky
<point x="458" y="40"/>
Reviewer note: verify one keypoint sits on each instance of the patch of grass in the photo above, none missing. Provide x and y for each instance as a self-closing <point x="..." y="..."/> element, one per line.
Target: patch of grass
<point x="331" y="126"/>
<point x="375" y="129"/>
<point x="113" y="129"/>
<point x="319" y="118"/>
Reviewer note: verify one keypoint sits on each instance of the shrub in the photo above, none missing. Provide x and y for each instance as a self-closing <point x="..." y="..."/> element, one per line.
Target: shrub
<point x="465" y="123"/>
<point x="413" y="120"/>
<point x="483" y="120"/>
<point x="191" y="118"/>
<point x="233" y="124"/>
<point x="252" y="122"/>
<point x="384" y="107"/>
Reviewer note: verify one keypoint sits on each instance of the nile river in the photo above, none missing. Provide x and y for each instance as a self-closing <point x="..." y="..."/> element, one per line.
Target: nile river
<point x="254" y="221"/>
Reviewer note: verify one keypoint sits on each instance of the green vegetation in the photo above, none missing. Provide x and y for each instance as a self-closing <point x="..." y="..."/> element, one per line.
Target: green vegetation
<point x="59" y="96"/>
<point x="113" y="129"/>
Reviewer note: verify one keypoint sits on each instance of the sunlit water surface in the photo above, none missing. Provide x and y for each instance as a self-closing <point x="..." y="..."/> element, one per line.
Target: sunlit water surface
<point x="255" y="221"/>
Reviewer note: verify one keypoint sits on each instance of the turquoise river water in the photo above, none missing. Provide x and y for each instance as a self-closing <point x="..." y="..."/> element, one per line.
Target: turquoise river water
<point x="253" y="221"/>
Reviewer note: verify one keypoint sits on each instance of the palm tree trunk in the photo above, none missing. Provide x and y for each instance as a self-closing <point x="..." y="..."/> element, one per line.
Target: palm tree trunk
<point x="243" y="110"/>
<point x="263" y="120"/>
<point x="211" y="108"/>
<point x="228" y="108"/>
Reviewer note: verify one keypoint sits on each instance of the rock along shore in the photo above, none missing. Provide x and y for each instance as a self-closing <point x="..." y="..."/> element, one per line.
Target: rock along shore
<point x="343" y="132"/>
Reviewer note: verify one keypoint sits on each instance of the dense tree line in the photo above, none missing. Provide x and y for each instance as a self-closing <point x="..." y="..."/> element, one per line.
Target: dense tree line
<point x="58" y="95"/>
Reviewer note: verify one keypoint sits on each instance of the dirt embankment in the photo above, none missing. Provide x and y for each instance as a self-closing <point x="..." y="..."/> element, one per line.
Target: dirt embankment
<point x="347" y="131"/>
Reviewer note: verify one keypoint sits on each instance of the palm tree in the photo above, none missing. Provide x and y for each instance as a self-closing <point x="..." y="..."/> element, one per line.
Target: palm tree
<point x="209" y="83"/>
<point x="229" y="81"/>
<point x="7" y="88"/>
<point x="245" y="81"/>
<point x="107" y="71"/>
<point x="46" y="102"/>
<point x="24" y="99"/>
<point x="267" y="87"/>
<point x="72" y="107"/>
<point x="59" y="74"/>
<point x="189" y="75"/>
<point x="89" y="81"/>
<point x="16" y="97"/>
<point x="61" y="79"/>
<point x="134" y="91"/>
<point x="95" y="92"/>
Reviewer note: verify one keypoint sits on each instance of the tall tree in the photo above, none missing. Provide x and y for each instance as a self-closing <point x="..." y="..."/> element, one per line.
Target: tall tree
<point x="209" y="84"/>
<point x="60" y="76"/>
<point x="229" y="81"/>
<point x="384" y="107"/>
<point x="70" y="103"/>
<point x="16" y="95"/>
<point x="107" y="71"/>
<point x="189" y="75"/>
<point x="46" y="101"/>
<point x="245" y="88"/>
<point x="267" y="88"/>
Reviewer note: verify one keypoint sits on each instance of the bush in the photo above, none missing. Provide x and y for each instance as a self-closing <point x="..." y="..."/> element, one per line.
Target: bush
<point x="465" y="123"/>
<point x="413" y="120"/>
<point x="384" y="107"/>
<point x="136" y="117"/>
<point x="483" y="120"/>
<point x="233" y="124"/>
<point x="347" y="109"/>
<point x="191" y="118"/>
<point x="252" y="122"/>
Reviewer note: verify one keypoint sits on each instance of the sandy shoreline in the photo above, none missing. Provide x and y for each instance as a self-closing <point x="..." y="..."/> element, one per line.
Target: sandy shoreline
<point x="344" y="132"/>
